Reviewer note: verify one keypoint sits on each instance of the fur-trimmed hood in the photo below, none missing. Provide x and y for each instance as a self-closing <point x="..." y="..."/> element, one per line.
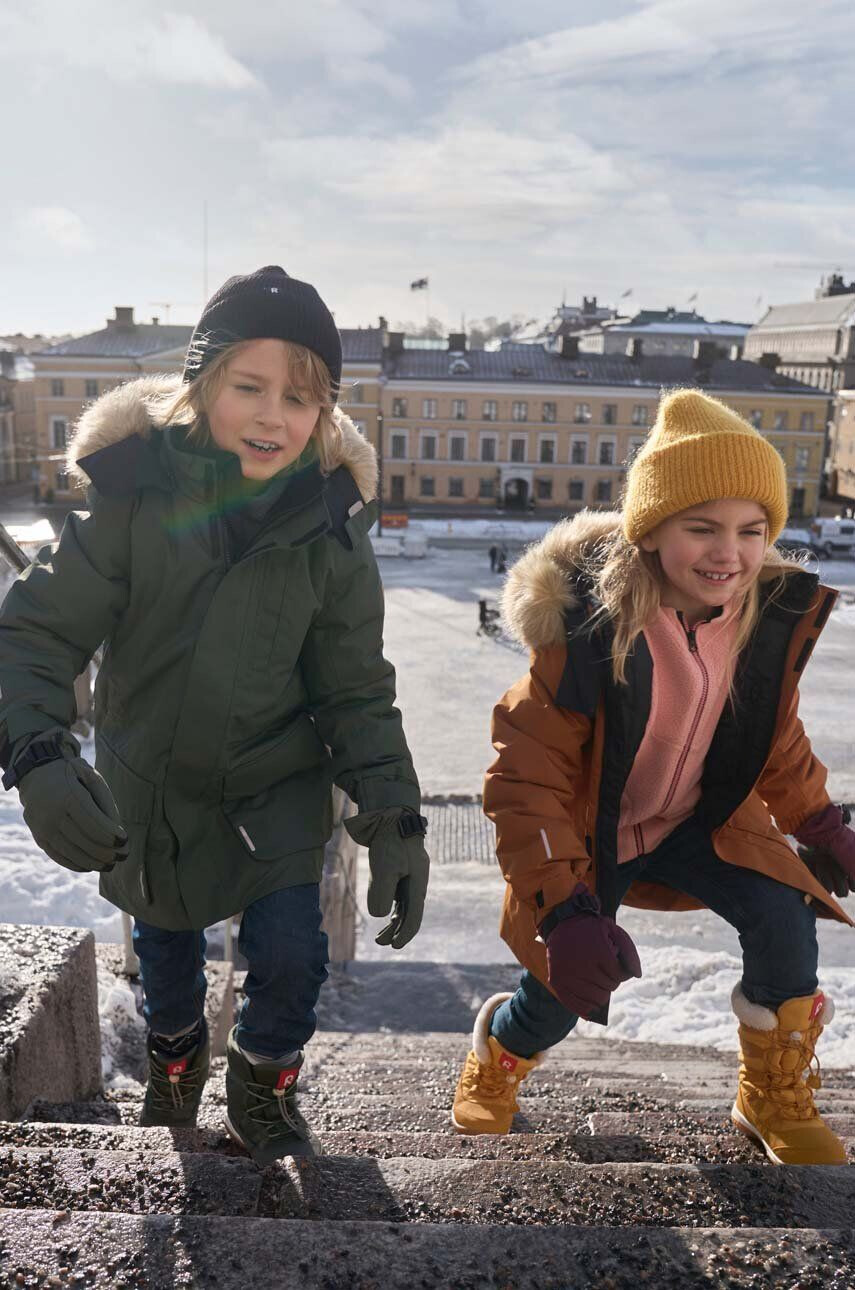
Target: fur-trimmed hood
<point x="135" y="408"/>
<point x="539" y="589"/>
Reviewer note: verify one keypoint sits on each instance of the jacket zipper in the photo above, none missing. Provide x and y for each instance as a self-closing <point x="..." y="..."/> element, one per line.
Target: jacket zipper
<point x="693" y="649"/>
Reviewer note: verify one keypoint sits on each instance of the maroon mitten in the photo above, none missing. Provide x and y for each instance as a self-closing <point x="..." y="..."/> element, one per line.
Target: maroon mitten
<point x="828" y="849"/>
<point x="587" y="954"/>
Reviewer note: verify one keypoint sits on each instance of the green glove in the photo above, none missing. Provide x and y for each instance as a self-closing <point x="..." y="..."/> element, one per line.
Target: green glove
<point x="71" y="814"/>
<point x="399" y="872"/>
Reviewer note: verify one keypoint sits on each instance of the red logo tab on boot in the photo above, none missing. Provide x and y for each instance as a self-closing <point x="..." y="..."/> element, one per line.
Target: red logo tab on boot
<point x="287" y="1078"/>
<point x="176" y="1068"/>
<point x="818" y="1005"/>
<point x="507" y="1062"/>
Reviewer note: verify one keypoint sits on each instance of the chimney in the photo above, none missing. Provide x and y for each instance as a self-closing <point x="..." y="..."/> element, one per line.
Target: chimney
<point x="7" y="363"/>
<point x="769" y="360"/>
<point x="704" y="354"/>
<point x="124" y="318"/>
<point x="569" y="346"/>
<point x="382" y="323"/>
<point x="155" y="321"/>
<point x="635" y="349"/>
<point x="457" y="342"/>
<point x="393" y="342"/>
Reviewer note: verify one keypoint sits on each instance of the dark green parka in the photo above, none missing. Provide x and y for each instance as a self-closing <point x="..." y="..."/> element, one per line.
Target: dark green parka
<point x="235" y="685"/>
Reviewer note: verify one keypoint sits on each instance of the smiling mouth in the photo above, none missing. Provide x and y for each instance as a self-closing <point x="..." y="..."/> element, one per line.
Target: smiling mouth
<point x="266" y="446"/>
<point x="715" y="578"/>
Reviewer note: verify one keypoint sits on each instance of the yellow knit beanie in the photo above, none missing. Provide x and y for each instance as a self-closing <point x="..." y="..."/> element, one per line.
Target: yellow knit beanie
<point x="698" y="451"/>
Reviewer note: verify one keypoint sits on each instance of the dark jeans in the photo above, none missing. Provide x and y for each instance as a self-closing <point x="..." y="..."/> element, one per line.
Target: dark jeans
<point x="777" y="932"/>
<point x="282" y="941"/>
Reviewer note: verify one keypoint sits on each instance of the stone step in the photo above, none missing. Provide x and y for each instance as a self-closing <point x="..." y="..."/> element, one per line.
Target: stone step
<point x="719" y="1143"/>
<point x="650" y="1122"/>
<point x="404" y="1189"/>
<point x="108" y="1251"/>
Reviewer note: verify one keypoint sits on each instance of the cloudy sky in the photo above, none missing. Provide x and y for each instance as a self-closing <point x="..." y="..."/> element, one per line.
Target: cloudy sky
<point x="511" y="152"/>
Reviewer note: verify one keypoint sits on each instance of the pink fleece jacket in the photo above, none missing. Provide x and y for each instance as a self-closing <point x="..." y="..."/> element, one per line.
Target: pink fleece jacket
<point x="689" y="692"/>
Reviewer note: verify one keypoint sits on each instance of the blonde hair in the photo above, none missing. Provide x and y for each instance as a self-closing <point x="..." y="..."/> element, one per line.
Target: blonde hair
<point x="628" y="582"/>
<point x="307" y="373"/>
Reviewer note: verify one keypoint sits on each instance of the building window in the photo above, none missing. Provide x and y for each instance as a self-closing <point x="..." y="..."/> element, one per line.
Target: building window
<point x="399" y="484"/>
<point x="635" y="446"/>
<point x="490" y="410"/>
<point x="756" y="418"/>
<point x="429" y="409"/>
<point x="609" y="414"/>
<point x="399" y="407"/>
<point x="428" y="447"/>
<point x="59" y="431"/>
<point x="61" y="481"/>
<point x="579" y="452"/>
<point x="518" y="449"/>
<point x="550" y="412"/>
<point x="356" y="395"/>
<point x="458" y="409"/>
<point x="488" y="449"/>
<point x="57" y="389"/>
<point x="582" y="413"/>
<point x="797" y="506"/>
<point x="543" y="489"/>
<point x="781" y="420"/>
<point x="802" y="458"/>
<point x="399" y="446"/>
<point x="576" y="490"/>
<point x="547" y="450"/>
<point x="426" y="486"/>
<point x="604" y="490"/>
<point x="806" y="421"/>
<point x="92" y="390"/>
<point x="455" y="487"/>
<point x="640" y="415"/>
<point x="519" y="411"/>
<point x="487" y="487"/>
<point x="457" y="447"/>
<point x="607" y="452"/>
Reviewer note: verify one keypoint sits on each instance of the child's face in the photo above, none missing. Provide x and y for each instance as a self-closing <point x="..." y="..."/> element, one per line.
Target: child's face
<point x="258" y="406"/>
<point x="727" y="537"/>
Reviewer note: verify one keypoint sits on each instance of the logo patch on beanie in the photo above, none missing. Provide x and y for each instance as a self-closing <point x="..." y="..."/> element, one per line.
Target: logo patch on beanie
<point x="818" y="1005"/>
<point x="507" y="1062"/>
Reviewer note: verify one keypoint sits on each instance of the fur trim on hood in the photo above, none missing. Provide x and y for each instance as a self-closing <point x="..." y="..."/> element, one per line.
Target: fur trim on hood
<point x="134" y="408"/>
<point x="539" y="588"/>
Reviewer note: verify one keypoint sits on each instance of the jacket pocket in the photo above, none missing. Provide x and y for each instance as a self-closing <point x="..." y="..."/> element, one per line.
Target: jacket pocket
<point x="134" y="797"/>
<point x="279" y="799"/>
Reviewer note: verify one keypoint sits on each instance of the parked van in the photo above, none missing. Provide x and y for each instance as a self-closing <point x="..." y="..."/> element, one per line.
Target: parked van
<point x="832" y="537"/>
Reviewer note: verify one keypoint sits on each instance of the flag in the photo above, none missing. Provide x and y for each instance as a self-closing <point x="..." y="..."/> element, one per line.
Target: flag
<point x="692" y="298"/>
<point x="626" y="293"/>
<point x="420" y="284"/>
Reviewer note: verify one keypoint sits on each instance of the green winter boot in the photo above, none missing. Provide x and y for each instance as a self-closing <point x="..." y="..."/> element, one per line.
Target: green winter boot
<point x="261" y="1108"/>
<point x="175" y="1083"/>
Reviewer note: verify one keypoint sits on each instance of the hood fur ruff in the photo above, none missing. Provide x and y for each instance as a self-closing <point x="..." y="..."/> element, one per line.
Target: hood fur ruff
<point x="132" y="408"/>
<point x="539" y="589"/>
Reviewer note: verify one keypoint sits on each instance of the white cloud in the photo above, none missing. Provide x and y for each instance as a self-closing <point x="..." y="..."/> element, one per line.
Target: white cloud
<point x="59" y="225"/>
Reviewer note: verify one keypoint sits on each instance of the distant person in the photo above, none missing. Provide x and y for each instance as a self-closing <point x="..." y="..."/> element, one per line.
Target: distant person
<point x="494" y="554"/>
<point x="502" y="559"/>
<point x="669" y="778"/>
<point x="227" y="564"/>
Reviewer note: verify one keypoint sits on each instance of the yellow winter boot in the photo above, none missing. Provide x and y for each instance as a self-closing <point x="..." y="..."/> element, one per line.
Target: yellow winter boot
<point x="774" y="1102"/>
<point x="486" y="1096"/>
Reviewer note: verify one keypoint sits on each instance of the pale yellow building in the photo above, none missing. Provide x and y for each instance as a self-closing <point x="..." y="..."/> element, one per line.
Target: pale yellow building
<point x="841" y="463"/>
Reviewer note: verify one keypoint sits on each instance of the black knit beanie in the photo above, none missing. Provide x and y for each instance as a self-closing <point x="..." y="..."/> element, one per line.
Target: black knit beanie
<point x="267" y="303"/>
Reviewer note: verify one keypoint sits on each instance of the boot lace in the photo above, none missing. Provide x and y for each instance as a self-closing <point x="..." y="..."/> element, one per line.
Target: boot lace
<point x="490" y="1081"/>
<point x="792" y="1091"/>
<point x="169" y="1092"/>
<point x="272" y="1110"/>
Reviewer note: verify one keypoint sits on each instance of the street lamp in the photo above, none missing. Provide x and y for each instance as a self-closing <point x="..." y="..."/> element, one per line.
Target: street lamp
<point x="381" y="385"/>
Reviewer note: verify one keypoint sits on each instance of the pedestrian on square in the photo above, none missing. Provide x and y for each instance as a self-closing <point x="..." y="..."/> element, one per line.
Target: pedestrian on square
<point x="494" y="553"/>
<point x="653" y="756"/>
<point x="225" y="561"/>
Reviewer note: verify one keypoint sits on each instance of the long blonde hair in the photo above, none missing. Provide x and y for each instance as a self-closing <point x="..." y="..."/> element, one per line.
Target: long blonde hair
<point x="627" y="581"/>
<point x="307" y="373"/>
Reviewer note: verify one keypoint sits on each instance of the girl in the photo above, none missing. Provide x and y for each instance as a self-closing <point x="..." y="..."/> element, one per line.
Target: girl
<point x="226" y="563"/>
<point x="643" y="758"/>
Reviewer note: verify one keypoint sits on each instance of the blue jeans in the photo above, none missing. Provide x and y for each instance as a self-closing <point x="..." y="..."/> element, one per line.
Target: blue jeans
<point x="777" y="932"/>
<point x="282" y="941"/>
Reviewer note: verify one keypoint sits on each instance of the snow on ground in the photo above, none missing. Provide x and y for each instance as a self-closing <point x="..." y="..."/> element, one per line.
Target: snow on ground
<point x="448" y="681"/>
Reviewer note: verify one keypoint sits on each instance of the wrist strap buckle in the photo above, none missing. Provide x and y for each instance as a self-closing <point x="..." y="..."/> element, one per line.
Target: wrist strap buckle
<point x="38" y="753"/>
<point x="412" y="825"/>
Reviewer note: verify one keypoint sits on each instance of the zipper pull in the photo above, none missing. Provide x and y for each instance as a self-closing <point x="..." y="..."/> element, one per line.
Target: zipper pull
<point x="690" y="636"/>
